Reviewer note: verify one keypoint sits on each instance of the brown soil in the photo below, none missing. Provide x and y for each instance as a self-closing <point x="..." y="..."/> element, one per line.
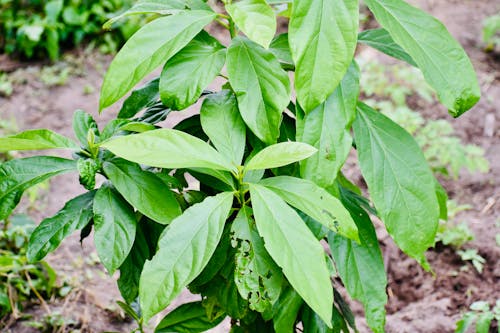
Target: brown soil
<point x="418" y="301"/>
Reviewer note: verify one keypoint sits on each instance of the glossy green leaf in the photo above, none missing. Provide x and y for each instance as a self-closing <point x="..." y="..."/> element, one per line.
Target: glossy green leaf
<point x="381" y="40"/>
<point x="286" y="311"/>
<point x="280" y="48"/>
<point x="400" y="182"/>
<point x="315" y="202"/>
<point x="18" y="175"/>
<point x="294" y="248"/>
<point x="262" y="87"/>
<point x="191" y="238"/>
<point x="322" y="36"/>
<point x="47" y="236"/>
<point x="147" y="49"/>
<point x="443" y="62"/>
<point x="327" y="128"/>
<point x="360" y="265"/>
<point x="114" y="227"/>
<point x="255" y="18"/>
<point x="82" y="123"/>
<point x="187" y="318"/>
<point x="37" y="139"/>
<point x="280" y="154"/>
<point x="256" y="275"/>
<point x="140" y="98"/>
<point x="190" y="71"/>
<point x="167" y="148"/>
<point x="312" y="323"/>
<point x="442" y="198"/>
<point x="143" y="190"/>
<point x="223" y="124"/>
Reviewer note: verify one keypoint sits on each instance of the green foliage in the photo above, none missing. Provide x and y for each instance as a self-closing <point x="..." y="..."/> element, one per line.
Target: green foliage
<point x="389" y="88"/>
<point x="247" y="233"/>
<point x="491" y="32"/>
<point x="451" y="233"/>
<point x="20" y="280"/>
<point x="481" y="316"/>
<point x="37" y="29"/>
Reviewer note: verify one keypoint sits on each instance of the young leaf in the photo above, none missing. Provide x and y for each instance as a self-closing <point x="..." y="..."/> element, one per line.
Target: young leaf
<point x="280" y="154"/>
<point x="262" y="87"/>
<point x="190" y="238"/>
<point x="256" y="275"/>
<point x="187" y="318"/>
<point x="327" y="128"/>
<point x="360" y="265"/>
<point x="82" y="123"/>
<point x="139" y="99"/>
<point x="143" y="190"/>
<point x="381" y="40"/>
<point x="255" y="18"/>
<point x="222" y="122"/>
<point x="190" y="71"/>
<point x="167" y="148"/>
<point x="18" y="175"/>
<point x="400" y="182"/>
<point x="47" y="236"/>
<point x="443" y="62"/>
<point x="294" y="248"/>
<point x="280" y="48"/>
<point x="315" y="202"/>
<point x="322" y="36"/>
<point x="114" y="227"/>
<point x="148" y="48"/>
<point x="38" y="139"/>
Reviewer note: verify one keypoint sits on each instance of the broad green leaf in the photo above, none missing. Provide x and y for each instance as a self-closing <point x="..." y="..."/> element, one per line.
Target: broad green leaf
<point x="280" y="154"/>
<point x="280" y="48"/>
<point x="82" y="123"/>
<point x="465" y="322"/>
<point x="143" y="190"/>
<point x="47" y="236"/>
<point x="191" y="70"/>
<point x="255" y="18"/>
<point x="286" y="311"/>
<point x="312" y="323"/>
<point x="381" y="40"/>
<point x="147" y="49"/>
<point x="360" y="265"/>
<point x="315" y="202"/>
<point x="183" y="251"/>
<point x="187" y="318"/>
<point x="20" y="174"/>
<point x="322" y="36"/>
<point x="222" y="122"/>
<point x="114" y="227"/>
<point x="261" y="86"/>
<point x="138" y="127"/>
<point x="37" y="139"/>
<point x="294" y="248"/>
<point x="140" y="98"/>
<point x="327" y="128"/>
<point x="400" y="182"/>
<point x="256" y="275"/>
<point x="443" y="62"/>
<point x="167" y="148"/>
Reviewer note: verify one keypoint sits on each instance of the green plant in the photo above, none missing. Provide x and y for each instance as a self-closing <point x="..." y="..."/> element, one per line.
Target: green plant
<point x="481" y="315"/>
<point x="246" y="235"/>
<point x="41" y="28"/>
<point x="388" y="89"/>
<point x="451" y="233"/>
<point x="491" y="32"/>
<point x="474" y="257"/>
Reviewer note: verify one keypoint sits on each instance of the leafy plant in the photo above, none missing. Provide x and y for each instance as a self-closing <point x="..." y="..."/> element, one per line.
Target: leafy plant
<point x="42" y="28"/>
<point x="481" y="315"/>
<point x="451" y="233"/>
<point x="491" y="32"/>
<point x="247" y="235"/>
<point x="474" y="257"/>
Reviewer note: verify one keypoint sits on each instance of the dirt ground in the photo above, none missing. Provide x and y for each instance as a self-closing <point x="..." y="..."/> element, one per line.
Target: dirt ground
<point x="418" y="301"/>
